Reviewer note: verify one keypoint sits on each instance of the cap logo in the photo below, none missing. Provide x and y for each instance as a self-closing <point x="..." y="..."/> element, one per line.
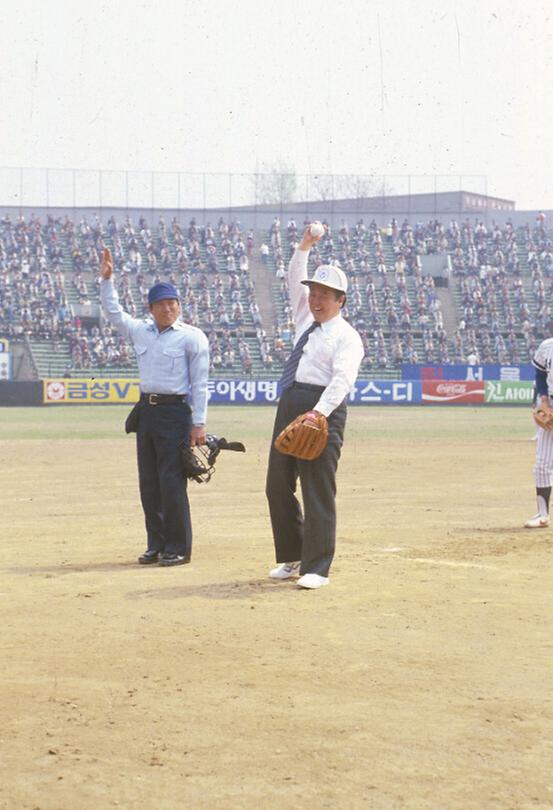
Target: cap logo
<point x="322" y="274"/>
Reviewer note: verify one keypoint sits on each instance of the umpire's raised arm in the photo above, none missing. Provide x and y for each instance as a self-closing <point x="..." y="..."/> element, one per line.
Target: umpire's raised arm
<point x="106" y="266"/>
<point x="115" y="313"/>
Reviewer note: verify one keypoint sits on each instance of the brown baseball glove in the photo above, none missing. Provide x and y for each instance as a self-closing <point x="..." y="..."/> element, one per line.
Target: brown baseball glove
<point x="543" y="417"/>
<point x="305" y="437"/>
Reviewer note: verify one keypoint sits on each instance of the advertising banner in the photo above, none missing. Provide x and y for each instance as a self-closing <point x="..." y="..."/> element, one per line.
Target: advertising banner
<point x="262" y="392"/>
<point x="452" y="392"/>
<point x="386" y="392"/>
<point x="5" y="360"/>
<point x="491" y="371"/>
<point x="86" y="392"/>
<point x="259" y="392"/>
<point x="508" y="393"/>
<point x="240" y="392"/>
<point x="126" y="391"/>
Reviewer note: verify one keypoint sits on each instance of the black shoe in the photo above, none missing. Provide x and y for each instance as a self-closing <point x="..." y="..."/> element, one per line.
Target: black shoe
<point x="173" y="559"/>
<point x="148" y="557"/>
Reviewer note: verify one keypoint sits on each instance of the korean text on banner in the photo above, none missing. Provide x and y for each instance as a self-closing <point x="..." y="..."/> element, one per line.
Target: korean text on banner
<point x="83" y="391"/>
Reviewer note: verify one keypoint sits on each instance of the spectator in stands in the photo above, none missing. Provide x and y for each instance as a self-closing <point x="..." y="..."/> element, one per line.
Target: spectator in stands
<point x="501" y="301"/>
<point x="216" y="356"/>
<point x="246" y="360"/>
<point x="264" y="252"/>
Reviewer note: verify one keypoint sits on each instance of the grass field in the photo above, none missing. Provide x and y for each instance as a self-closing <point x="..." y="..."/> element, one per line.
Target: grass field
<point x="421" y="678"/>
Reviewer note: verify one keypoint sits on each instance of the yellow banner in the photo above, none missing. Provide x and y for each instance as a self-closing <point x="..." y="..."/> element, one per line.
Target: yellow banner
<point x="4" y="345"/>
<point x="89" y="391"/>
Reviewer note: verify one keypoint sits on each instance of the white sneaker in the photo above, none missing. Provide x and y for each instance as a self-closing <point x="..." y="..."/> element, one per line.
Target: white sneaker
<point x="312" y="581"/>
<point x="286" y="570"/>
<point x="537" y="522"/>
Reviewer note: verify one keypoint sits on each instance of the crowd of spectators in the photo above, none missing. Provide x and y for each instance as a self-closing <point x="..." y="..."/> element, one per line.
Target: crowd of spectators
<point x="502" y="277"/>
<point x="45" y="269"/>
<point x="97" y="347"/>
<point x="391" y="303"/>
<point x="502" y="318"/>
<point x="177" y="249"/>
<point x="33" y="299"/>
<point x="503" y="280"/>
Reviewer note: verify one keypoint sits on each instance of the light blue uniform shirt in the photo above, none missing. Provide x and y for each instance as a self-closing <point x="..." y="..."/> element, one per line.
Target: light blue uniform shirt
<point x="175" y="361"/>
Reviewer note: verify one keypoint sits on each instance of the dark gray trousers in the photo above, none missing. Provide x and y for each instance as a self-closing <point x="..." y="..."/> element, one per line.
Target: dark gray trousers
<point x="162" y="487"/>
<point x="311" y="536"/>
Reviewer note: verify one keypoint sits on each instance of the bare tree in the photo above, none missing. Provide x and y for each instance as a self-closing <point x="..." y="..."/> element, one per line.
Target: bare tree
<point x="358" y="186"/>
<point x="280" y="185"/>
<point x="326" y="187"/>
<point x="277" y="186"/>
<point x="321" y="187"/>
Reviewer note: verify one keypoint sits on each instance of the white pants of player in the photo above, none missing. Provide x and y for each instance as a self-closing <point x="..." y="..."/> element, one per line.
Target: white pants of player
<point x="543" y="468"/>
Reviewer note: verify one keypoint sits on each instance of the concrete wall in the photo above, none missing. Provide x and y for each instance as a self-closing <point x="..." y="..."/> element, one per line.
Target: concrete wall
<point x="20" y="393"/>
<point x="261" y="217"/>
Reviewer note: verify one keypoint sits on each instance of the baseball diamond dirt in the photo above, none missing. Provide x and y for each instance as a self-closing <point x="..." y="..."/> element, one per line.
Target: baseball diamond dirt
<point x="420" y="678"/>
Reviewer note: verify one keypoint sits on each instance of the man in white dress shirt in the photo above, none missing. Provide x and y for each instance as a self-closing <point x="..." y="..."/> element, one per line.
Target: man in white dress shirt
<point x="326" y="371"/>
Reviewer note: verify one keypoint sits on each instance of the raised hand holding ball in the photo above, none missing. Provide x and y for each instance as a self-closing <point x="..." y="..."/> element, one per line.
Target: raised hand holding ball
<point x="317" y="228"/>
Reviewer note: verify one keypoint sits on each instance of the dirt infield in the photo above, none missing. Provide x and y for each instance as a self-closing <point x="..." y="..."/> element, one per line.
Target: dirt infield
<point x="421" y="678"/>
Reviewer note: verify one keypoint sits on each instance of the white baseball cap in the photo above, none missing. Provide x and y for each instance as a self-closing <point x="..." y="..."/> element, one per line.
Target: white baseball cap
<point x="329" y="276"/>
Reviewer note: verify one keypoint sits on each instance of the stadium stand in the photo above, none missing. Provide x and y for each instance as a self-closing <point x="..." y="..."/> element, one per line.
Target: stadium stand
<point x="501" y="279"/>
<point x="49" y="276"/>
<point x="390" y="302"/>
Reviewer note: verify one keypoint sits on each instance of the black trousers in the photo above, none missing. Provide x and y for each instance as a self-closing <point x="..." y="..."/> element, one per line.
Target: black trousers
<point x="309" y="536"/>
<point x="162" y="487"/>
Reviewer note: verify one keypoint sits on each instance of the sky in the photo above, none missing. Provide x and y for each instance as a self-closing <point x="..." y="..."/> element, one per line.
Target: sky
<point x="458" y="90"/>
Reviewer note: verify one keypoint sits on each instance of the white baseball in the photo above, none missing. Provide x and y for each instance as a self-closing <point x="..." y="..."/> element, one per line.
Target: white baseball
<point x="317" y="228"/>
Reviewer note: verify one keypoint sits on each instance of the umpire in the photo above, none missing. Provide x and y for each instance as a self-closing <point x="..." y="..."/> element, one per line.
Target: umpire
<point x="173" y="361"/>
<point x="318" y="376"/>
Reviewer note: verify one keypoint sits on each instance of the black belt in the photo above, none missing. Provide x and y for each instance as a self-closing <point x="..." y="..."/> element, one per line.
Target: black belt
<point x="163" y="399"/>
<point x="309" y="387"/>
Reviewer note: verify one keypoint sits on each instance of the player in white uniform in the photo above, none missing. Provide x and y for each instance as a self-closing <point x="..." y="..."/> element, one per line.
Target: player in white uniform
<point x="543" y="468"/>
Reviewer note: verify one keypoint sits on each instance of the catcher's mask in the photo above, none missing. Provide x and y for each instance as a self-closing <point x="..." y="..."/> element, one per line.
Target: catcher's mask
<point x="198" y="462"/>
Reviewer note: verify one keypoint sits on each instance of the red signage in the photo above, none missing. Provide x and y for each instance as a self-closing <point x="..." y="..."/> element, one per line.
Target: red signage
<point x="452" y="392"/>
<point x="432" y="373"/>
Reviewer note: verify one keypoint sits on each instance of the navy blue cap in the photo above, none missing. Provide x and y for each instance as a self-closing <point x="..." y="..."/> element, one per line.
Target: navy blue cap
<point x="162" y="290"/>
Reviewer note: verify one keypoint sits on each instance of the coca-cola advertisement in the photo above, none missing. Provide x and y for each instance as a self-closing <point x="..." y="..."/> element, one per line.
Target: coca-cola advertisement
<point x="452" y="392"/>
